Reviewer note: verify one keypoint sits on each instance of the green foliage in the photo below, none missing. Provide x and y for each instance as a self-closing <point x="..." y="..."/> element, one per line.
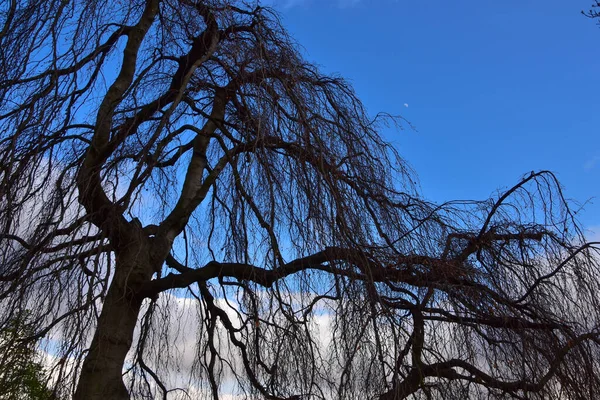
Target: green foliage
<point x="22" y="375"/>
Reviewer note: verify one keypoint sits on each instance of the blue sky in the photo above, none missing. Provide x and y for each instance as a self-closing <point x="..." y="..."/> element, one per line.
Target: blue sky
<point x="494" y="89"/>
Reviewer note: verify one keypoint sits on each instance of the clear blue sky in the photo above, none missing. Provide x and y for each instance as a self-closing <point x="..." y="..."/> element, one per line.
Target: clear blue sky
<point x="495" y="89"/>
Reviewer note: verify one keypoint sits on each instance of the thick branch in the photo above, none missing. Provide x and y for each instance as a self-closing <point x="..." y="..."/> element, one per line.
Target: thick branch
<point x="447" y="369"/>
<point x="89" y="182"/>
<point x="432" y="271"/>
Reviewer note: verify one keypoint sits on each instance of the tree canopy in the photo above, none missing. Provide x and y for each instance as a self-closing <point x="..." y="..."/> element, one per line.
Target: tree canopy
<point x="22" y="374"/>
<point x="160" y="153"/>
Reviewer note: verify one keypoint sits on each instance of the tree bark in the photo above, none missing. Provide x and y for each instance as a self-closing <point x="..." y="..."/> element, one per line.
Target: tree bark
<point x="101" y="373"/>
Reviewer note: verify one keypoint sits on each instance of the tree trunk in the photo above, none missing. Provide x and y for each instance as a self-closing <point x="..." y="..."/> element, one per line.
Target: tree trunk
<point x="101" y="373"/>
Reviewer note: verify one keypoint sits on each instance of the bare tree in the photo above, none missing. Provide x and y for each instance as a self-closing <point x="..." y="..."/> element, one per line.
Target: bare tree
<point x="162" y="149"/>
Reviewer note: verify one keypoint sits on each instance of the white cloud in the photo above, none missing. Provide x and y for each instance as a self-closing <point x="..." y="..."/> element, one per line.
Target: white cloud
<point x="179" y="327"/>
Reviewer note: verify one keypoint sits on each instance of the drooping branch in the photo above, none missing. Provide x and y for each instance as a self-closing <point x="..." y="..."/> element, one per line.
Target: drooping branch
<point x="450" y="370"/>
<point x="439" y="271"/>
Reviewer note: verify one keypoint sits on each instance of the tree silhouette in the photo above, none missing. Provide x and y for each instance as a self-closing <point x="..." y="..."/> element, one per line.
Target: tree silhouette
<point x="165" y="152"/>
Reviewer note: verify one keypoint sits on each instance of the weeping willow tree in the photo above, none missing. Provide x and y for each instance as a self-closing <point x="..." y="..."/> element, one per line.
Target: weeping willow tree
<point x="165" y="152"/>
